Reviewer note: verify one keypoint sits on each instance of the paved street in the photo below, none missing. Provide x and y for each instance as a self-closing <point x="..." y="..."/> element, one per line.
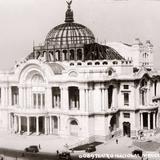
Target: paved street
<point x="50" y="144"/>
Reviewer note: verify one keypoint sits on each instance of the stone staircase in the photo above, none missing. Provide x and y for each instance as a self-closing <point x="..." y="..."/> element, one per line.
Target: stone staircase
<point x="157" y="131"/>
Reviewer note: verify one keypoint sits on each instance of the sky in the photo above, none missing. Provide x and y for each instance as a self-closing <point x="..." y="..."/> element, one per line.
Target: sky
<point x="23" y="22"/>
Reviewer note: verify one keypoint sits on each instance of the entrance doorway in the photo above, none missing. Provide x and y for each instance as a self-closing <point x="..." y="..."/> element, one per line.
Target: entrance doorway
<point x="126" y="129"/>
<point x="74" y="128"/>
<point x="41" y="125"/>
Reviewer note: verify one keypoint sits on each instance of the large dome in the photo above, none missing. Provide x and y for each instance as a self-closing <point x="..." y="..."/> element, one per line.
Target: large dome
<point x="69" y="32"/>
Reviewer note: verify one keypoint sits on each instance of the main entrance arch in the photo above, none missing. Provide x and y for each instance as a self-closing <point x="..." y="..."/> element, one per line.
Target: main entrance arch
<point x="113" y="124"/>
<point x="126" y="129"/>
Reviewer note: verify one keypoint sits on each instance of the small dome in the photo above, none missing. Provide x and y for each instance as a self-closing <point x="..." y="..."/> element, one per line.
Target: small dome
<point x="56" y="68"/>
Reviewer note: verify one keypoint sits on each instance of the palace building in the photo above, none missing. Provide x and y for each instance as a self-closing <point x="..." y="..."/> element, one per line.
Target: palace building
<point x="73" y="86"/>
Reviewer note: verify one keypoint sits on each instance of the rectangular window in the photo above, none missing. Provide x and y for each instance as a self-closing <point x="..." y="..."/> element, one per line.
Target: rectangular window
<point x="126" y="99"/>
<point x="56" y="97"/>
<point x="15" y="95"/>
<point x="39" y="100"/>
<point x="34" y="99"/>
<point x="126" y="86"/>
<point x="126" y="115"/>
<point x="43" y="99"/>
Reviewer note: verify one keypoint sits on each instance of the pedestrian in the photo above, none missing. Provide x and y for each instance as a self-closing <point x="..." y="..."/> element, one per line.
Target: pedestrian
<point x="39" y="146"/>
<point x="22" y="154"/>
<point x="72" y="150"/>
<point x="116" y="141"/>
<point x="57" y="152"/>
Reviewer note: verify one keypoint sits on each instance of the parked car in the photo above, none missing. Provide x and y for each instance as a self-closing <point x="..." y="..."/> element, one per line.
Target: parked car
<point x="90" y="148"/>
<point x="33" y="149"/>
<point x="137" y="152"/>
<point x="1" y="157"/>
<point x="64" y="156"/>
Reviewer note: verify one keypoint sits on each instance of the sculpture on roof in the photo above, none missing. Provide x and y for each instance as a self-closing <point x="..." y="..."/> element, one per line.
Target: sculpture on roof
<point x="69" y="3"/>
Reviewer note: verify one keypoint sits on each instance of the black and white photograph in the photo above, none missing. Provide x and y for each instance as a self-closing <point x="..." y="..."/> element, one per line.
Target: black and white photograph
<point x="79" y="79"/>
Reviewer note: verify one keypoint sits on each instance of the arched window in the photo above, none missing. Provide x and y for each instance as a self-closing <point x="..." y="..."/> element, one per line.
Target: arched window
<point x="38" y="91"/>
<point x="50" y="56"/>
<point x="105" y="63"/>
<point x="97" y="63"/>
<point x="64" y="55"/>
<point x="79" y="54"/>
<point x="79" y="63"/>
<point x="71" y="64"/>
<point x="74" y="122"/>
<point x="37" y="79"/>
<point x="57" y="55"/>
<point x="89" y="63"/>
<point x="115" y="62"/>
<point x="72" y="54"/>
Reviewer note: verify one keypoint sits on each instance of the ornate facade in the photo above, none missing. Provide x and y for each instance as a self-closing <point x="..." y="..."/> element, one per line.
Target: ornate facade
<point x="73" y="86"/>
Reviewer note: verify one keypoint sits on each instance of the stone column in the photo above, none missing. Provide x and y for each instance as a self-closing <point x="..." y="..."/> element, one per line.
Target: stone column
<point x="28" y="126"/>
<point x="50" y="124"/>
<point x="141" y="115"/>
<point x="9" y="122"/>
<point x="149" y="125"/>
<point x="154" y="117"/>
<point x="87" y="99"/>
<point x="10" y="96"/>
<point x="157" y="119"/>
<point x="3" y="96"/>
<point x="97" y="98"/>
<point x="59" y="126"/>
<point x="15" y="123"/>
<point x="37" y="125"/>
<point x="6" y="95"/>
<point x="65" y="98"/>
<point x="24" y="97"/>
<point x="27" y="97"/>
<point x="48" y="98"/>
<point x="41" y="106"/>
<point x="30" y="97"/>
<point x="114" y="97"/>
<point x="45" y="119"/>
<point x="90" y="100"/>
<point x="103" y="98"/>
<point x="20" y="97"/>
<point x="36" y="100"/>
<point x="106" y="99"/>
<point x="19" y="124"/>
<point x="61" y="98"/>
<point x="82" y="99"/>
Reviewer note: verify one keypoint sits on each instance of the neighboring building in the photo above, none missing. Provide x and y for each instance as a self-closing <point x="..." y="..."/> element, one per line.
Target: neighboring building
<point x="141" y="54"/>
<point x="73" y="86"/>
